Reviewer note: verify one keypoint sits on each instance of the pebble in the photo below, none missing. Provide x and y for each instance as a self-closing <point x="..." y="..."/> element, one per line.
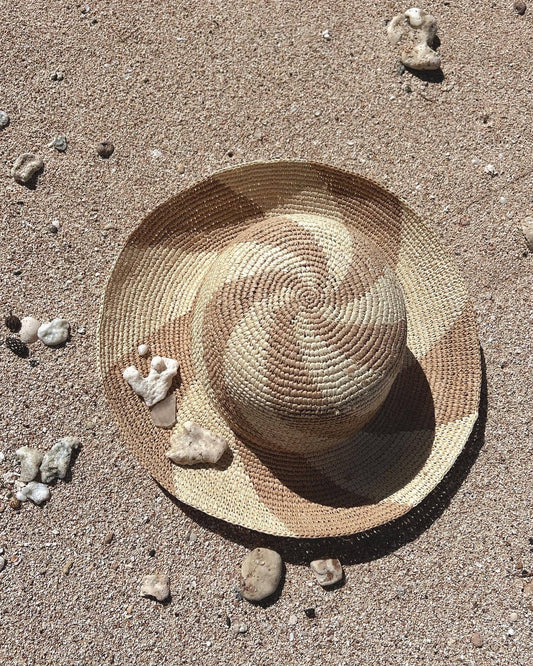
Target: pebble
<point x="513" y="617"/>
<point x="26" y="167"/>
<point x="520" y="7"/>
<point x="56" y="461"/>
<point x="4" y="119"/>
<point x="105" y="149"/>
<point x="292" y="620"/>
<point x="327" y="571"/>
<point x="476" y="639"/>
<point x="310" y="613"/>
<point x="490" y="169"/>
<point x="143" y="350"/>
<point x="52" y="229"/>
<point x="2" y="563"/>
<point x="326" y="35"/>
<point x="13" y="323"/>
<point x="34" y="491"/>
<point x="180" y="169"/>
<point x="17" y="347"/>
<point x="155" y="386"/>
<point x="260" y="574"/>
<point x="54" y="333"/>
<point x="30" y="461"/>
<point x="196" y="445"/>
<point x="164" y="412"/>
<point x="527" y="230"/>
<point x="108" y="538"/>
<point x="67" y="567"/>
<point x="28" y="330"/>
<point x="15" y="503"/>
<point x="157" y="586"/>
<point x="413" y="32"/>
<point x="57" y="76"/>
<point x="59" y="143"/>
<point x="510" y="631"/>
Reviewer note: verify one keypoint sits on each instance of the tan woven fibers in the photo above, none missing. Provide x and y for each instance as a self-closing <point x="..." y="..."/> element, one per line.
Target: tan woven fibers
<point x="321" y="329"/>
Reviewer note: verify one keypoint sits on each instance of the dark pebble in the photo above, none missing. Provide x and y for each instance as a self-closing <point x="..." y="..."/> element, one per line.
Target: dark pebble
<point x="13" y="323"/>
<point x="400" y="68"/>
<point x="34" y="362"/>
<point x="520" y="7"/>
<point x="17" y="272"/>
<point x="52" y="229"/>
<point x="310" y="612"/>
<point x="151" y="552"/>
<point x="105" y="149"/>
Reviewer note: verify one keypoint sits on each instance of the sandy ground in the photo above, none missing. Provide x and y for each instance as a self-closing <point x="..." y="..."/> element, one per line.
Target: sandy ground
<point x="211" y="84"/>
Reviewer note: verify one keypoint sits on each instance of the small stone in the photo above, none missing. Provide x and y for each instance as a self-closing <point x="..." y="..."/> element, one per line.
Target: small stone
<point x="17" y="347"/>
<point x="260" y="574"/>
<point x="52" y="229"/>
<point x="34" y="362"/>
<point x="108" y="538"/>
<point x="326" y="35"/>
<point x="143" y="350"/>
<point x="157" y="586"/>
<point x="54" y="333"/>
<point x="510" y="631"/>
<point x="14" y="503"/>
<point x="401" y="68"/>
<point x="13" y="323"/>
<point x="310" y="613"/>
<point x="34" y="491"/>
<point x="28" y="330"/>
<point x="56" y="461"/>
<point x="490" y="169"/>
<point x="26" y="167"/>
<point x="155" y="386"/>
<point x="196" y="445"/>
<point x="292" y="620"/>
<point x="57" y="76"/>
<point x="30" y="461"/>
<point x="327" y="571"/>
<point x="81" y="331"/>
<point x="527" y="230"/>
<point x="67" y="567"/>
<point x="164" y="412"/>
<point x="151" y="552"/>
<point x="59" y="143"/>
<point x="2" y="563"/>
<point x="4" y="119"/>
<point x="476" y="639"/>
<point x="180" y="169"/>
<point x="414" y="32"/>
<point x="105" y="149"/>
<point x="513" y="617"/>
<point x="520" y="7"/>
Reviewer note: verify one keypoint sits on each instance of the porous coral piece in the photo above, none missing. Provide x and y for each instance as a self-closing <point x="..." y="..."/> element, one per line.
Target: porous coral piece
<point x="26" y="167"/>
<point x="327" y="571"/>
<point x="196" y="445"/>
<point x="157" y="586"/>
<point x="56" y="461"/>
<point x="30" y="461"/>
<point x="414" y="32"/>
<point x="54" y="333"/>
<point x="34" y="491"/>
<point x="153" y="388"/>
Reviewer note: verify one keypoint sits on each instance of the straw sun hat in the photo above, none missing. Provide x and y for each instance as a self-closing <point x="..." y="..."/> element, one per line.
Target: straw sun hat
<point x="321" y="329"/>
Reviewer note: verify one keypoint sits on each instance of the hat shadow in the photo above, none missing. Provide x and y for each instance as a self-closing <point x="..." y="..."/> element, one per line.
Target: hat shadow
<point x="372" y="544"/>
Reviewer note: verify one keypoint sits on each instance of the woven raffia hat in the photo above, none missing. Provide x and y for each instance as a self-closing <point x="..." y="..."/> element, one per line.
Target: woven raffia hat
<point x="321" y="329"/>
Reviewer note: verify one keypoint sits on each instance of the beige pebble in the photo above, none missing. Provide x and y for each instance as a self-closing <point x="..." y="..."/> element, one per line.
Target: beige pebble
<point x="157" y="586"/>
<point x="513" y="617"/>
<point x="108" y="538"/>
<point x="164" y="412"/>
<point x="180" y="169"/>
<point x="26" y="167"/>
<point x="527" y="230"/>
<point x="67" y="567"/>
<point x="260" y="574"/>
<point x="476" y="639"/>
<point x="327" y="571"/>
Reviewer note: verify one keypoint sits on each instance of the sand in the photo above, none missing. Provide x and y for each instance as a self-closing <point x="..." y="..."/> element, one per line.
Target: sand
<point x="207" y="85"/>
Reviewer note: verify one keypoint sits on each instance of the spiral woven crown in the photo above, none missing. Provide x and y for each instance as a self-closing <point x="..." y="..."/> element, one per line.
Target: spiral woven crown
<point x="299" y="332"/>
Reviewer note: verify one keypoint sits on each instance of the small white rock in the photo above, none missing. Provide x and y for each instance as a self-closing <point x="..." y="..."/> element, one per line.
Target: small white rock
<point x="326" y="35"/>
<point x="4" y="119"/>
<point x="513" y="617"/>
<point x="292" y="621"/>
<point x="153" y="388"/>
<point x="28" y="330"/>
<point x="157" y="586"/>
<point x="414" y="32"/>
<point x="510" y="631"/>
<point x="196" y="445"/>
<point x="490" y="169"/>
<point x="2" y="563"/>
<point x="327" y="571"/>
<point x="56" y="461"/>
<point x="54" y="333"/>
<point x="34" y="491"/>
<point x="30" y="461"/>
<point x="260" y="574"/>
<point x="143" y="350"/>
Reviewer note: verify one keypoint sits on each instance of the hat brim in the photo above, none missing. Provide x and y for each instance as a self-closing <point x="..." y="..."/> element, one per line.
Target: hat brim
<point x="381" y="472"/>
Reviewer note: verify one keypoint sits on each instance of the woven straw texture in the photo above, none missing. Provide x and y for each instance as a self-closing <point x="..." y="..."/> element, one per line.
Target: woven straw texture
<point x="321" y="329"/>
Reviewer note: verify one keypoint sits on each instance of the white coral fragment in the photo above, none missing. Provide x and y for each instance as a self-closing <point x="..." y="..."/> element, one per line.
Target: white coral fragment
<point x="54" y="333"/>
<point x="30" y="461"/>
<point x="196" y="445"/>
<point x="153" y="388"/>
<point x="414" y="32"/>
<point x="56" y="461"/>
<point x="36" y="492"/>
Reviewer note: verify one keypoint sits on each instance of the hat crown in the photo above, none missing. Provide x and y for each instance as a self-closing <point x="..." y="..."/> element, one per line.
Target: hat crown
<point x="299" y="331"/>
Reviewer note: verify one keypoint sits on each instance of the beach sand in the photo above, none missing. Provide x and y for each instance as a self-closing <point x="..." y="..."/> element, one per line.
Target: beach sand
<point x="213" y="84"/>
